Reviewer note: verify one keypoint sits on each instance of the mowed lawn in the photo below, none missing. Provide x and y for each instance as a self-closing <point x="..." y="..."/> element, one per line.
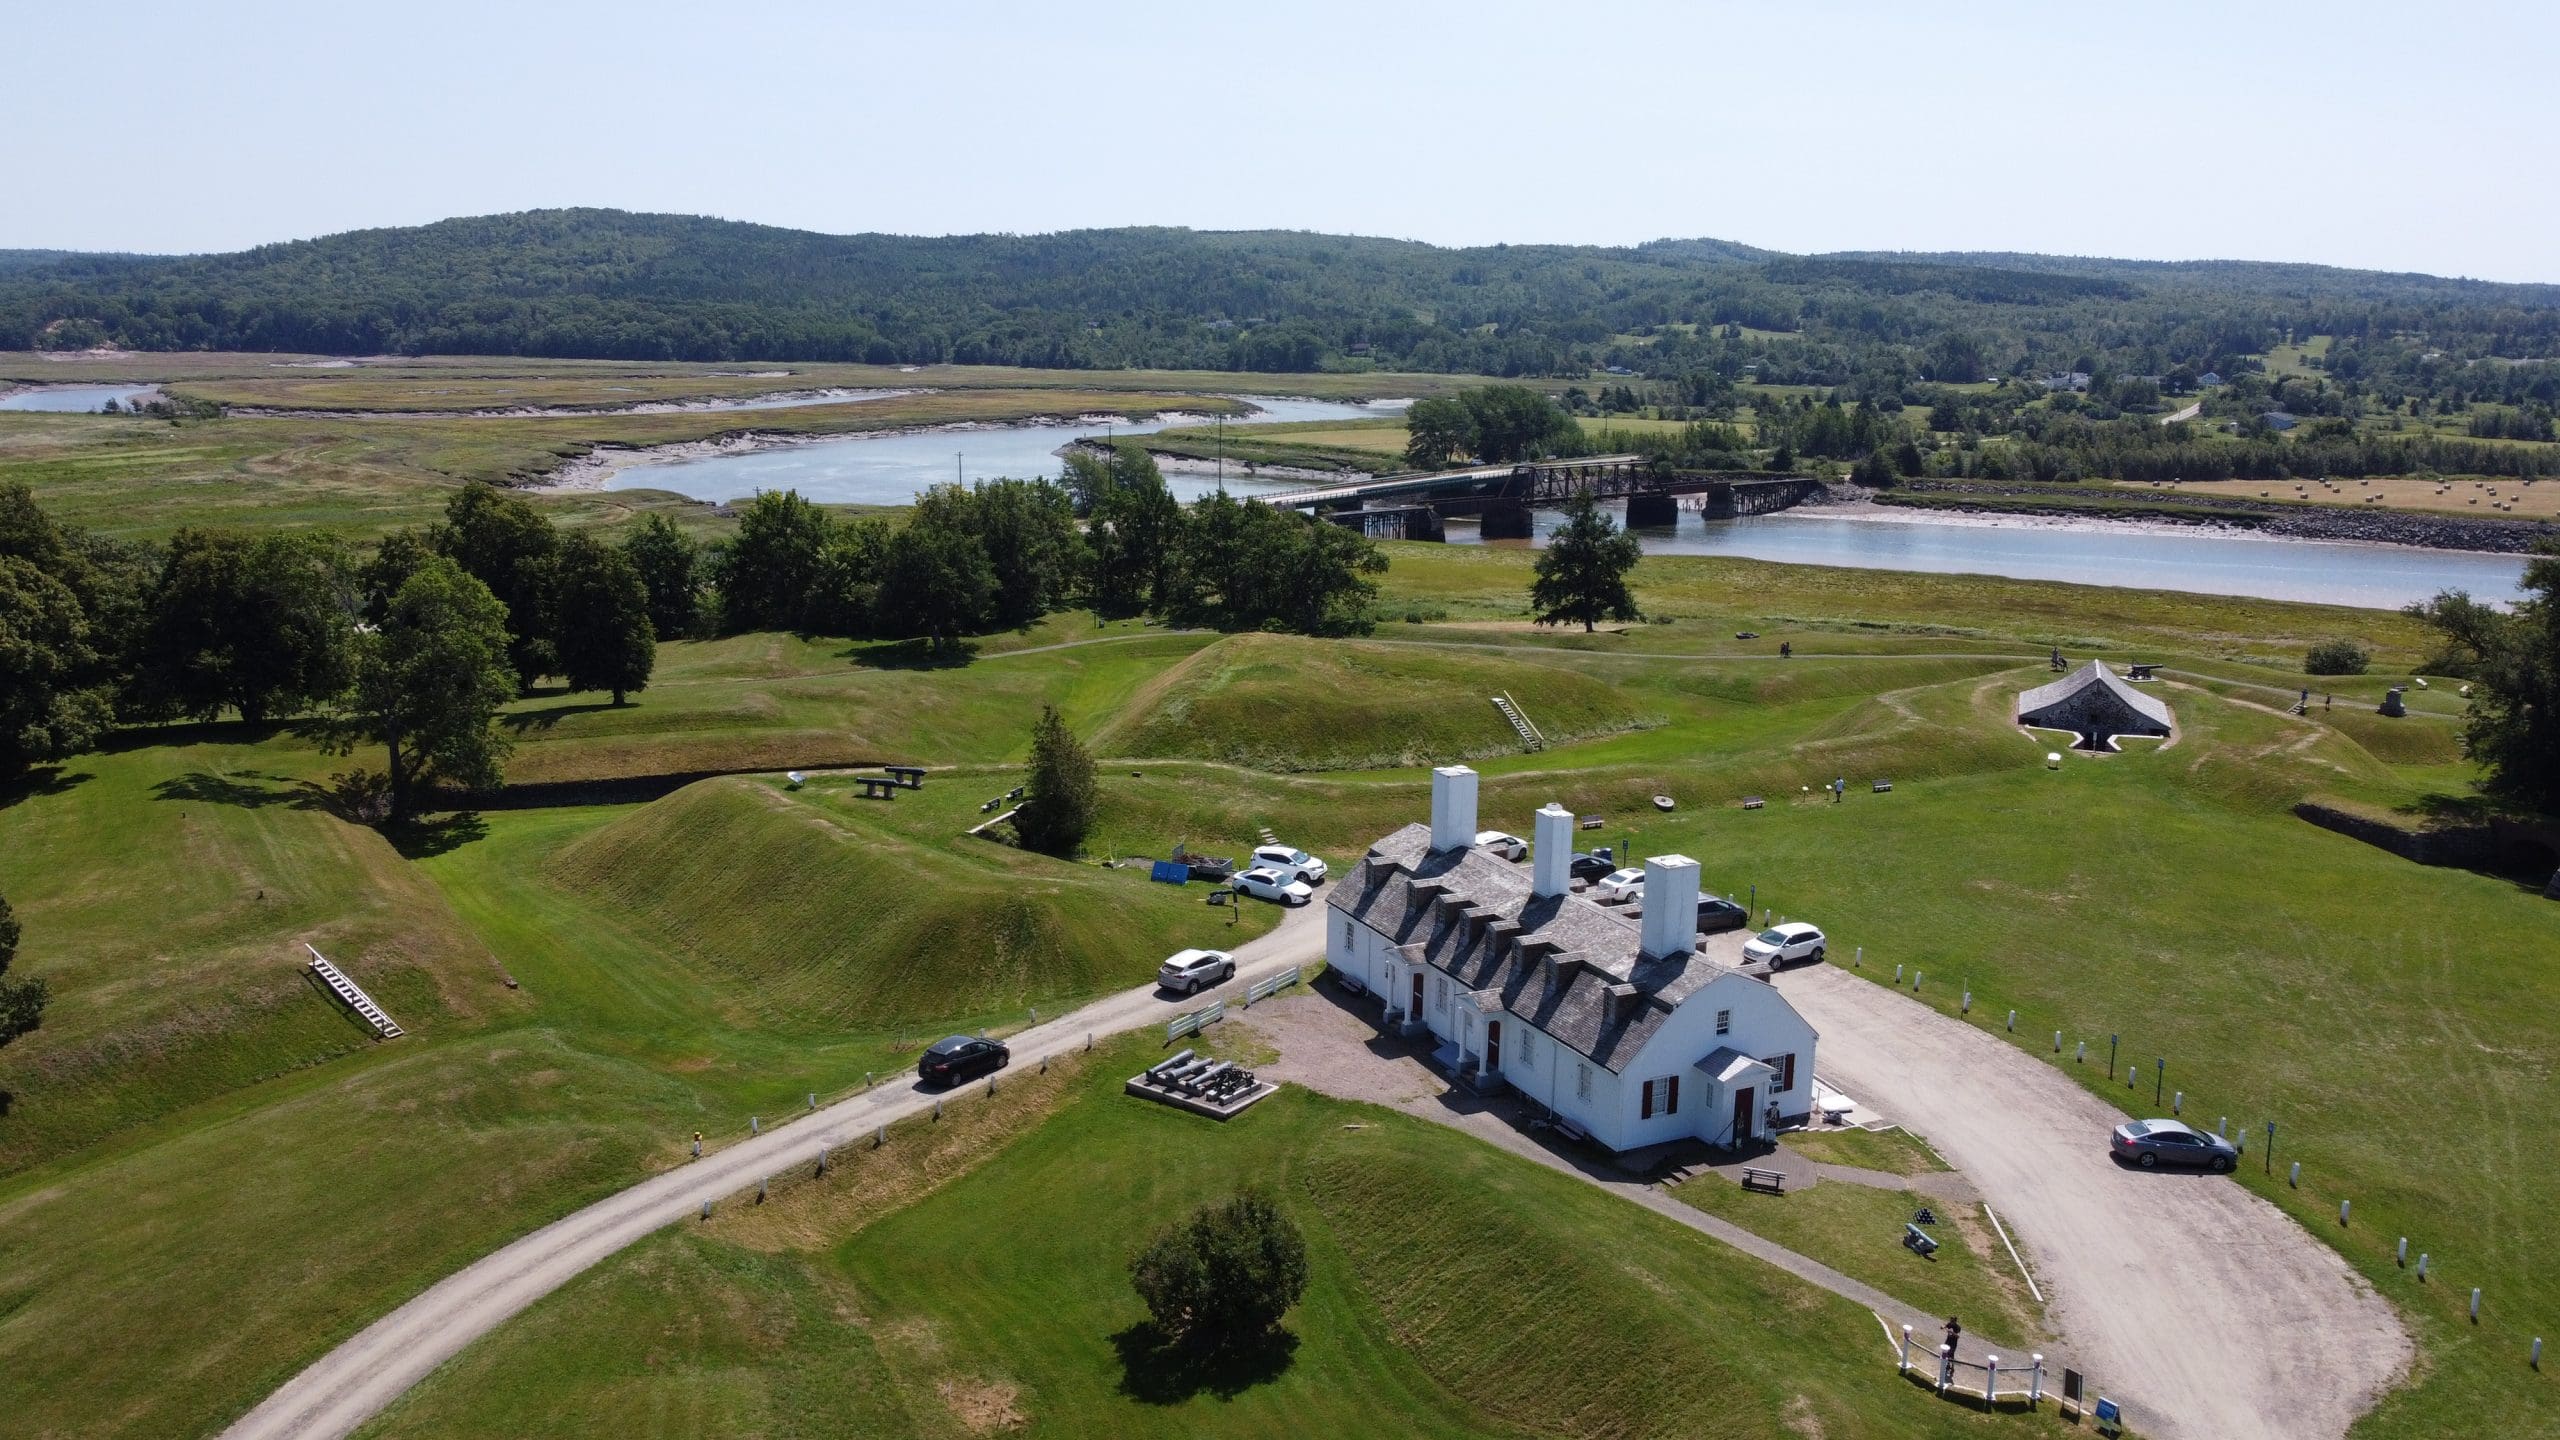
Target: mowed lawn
<point x="1455" y="1291"/>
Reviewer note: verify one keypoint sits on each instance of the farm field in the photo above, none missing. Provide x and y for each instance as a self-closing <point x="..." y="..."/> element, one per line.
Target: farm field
<point x="727" y="948"/>
<point x="2525" y="499"/>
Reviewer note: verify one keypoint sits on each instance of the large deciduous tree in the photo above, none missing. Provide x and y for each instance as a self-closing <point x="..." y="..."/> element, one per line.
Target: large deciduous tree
<point x="935" y="583"/>
<point x="1134" y="528"/>
<point x="53" y="701"/>
<point x="600" y="607"/>
<point x="429" y="683"/>
<point x="259" y="624"/>
<point x="2513" y="658"/>
<point x="1061" y="793"/>
<point x="1582" y="574"/>
<point x="1028" y="529"/>
<point x="509" y="546"/>
<point x="21" y="1001"/>
<point x="769" y="570"/>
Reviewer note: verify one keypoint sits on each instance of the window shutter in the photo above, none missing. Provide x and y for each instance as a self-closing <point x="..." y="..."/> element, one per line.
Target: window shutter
<point x="1787" y="1081"/>
<point x="1648" y="1101"/>
<point x="1671" y="1099"/>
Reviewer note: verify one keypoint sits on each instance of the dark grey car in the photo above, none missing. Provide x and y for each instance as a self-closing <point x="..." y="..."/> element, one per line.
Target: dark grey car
<point x="2154" y="1143"/>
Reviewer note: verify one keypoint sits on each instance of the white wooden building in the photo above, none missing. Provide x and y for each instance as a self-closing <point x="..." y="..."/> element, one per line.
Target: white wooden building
<point x="1624" y="1027"/>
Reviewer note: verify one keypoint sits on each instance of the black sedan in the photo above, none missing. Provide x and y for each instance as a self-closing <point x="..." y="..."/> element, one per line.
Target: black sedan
<point x="1717" y="914"/>
<point x="1592" y="867"/>
<point x="958" y="1057"/>
<point x="2154" y="1143"/>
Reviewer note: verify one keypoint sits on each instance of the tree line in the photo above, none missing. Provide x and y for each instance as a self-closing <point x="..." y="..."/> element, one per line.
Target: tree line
<point x="413" y="645"/>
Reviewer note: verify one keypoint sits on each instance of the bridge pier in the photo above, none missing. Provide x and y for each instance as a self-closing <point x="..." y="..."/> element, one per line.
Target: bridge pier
<point x="1652" y="512"/>
<point x="1506" y="522"/>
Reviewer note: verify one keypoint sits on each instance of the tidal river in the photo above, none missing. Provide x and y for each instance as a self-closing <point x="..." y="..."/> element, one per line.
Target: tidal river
<point x="890" y="469"/>
<point x="75" y="399"/>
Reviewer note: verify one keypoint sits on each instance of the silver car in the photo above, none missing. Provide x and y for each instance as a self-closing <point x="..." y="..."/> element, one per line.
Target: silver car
<point x="1264" y="883"/>
<point x="1189" y="972"/>
<point x="2154" y="1143"/>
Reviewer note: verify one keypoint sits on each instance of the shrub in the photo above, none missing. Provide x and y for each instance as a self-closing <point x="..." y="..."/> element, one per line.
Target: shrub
<point x="2336" y="657"/>
<point x="1222" y="1278"/>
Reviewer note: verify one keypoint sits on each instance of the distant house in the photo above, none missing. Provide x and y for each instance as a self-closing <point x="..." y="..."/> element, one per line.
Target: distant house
<point x="2210" y="377"/>
<point x="2277" y="420"/>
<point x="2067" y="380"/>
<point x="1623" y="1026"/>
<point x="2095" y="707"/>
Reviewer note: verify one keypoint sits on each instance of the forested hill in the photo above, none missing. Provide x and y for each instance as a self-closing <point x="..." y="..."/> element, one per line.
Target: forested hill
<point x="609" y="284"/>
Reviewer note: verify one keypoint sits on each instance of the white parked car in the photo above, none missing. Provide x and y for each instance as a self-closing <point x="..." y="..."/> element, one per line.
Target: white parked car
<point x="1190" y="971"/>
<point x="1264" y="883"/>
<point x="1782" y="945"/>
<point x="1289" y="860"/>
<point x="1617" y="885"/>
<point x="1503" y="843"/>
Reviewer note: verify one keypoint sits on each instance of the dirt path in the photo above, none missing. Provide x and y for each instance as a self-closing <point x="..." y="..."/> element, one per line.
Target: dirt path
<point x="2202" y="1307"/>
<point x="352" y="1383"/>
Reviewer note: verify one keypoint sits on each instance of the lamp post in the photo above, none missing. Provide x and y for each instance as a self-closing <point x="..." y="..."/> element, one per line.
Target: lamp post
<point x="2159" y="1073"/>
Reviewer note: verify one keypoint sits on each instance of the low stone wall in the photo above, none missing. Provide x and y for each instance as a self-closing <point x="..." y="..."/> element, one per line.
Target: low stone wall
<point x="2497" y="846"/>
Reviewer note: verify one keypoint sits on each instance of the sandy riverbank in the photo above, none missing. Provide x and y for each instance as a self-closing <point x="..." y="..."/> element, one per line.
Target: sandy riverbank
<point x="776" y="400"/>
<point x="592" y="471"/>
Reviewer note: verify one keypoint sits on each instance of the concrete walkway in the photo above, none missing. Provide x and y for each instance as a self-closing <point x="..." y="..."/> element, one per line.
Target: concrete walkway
<point x="2203" y="1307"/>
<point x="349" y="1385"/>
<point x="1329" y="1044"/>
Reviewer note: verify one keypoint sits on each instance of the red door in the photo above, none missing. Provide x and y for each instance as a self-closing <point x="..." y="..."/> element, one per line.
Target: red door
<point x="1493" y="1047"/>
<point x="1744" y="1100"/>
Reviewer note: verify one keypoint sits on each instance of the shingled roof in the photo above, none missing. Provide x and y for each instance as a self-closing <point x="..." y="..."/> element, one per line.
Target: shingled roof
<point x="2069" y="689"/>
<point x="1570" y="967"/>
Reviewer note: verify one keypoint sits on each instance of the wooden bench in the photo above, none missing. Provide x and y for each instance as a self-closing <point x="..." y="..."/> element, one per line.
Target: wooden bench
<point x="1571" y="1131"/>
<point x="1755" y="1178"/>
<point x="1883" y="787"/>
<point x="1752" y="802"/>
<point x="877" y="787"/>
<point x="909" y="777"/>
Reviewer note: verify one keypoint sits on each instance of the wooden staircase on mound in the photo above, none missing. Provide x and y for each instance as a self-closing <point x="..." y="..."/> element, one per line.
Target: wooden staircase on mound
<point x="1530" y="739"/>
<point x="354" y="996"/>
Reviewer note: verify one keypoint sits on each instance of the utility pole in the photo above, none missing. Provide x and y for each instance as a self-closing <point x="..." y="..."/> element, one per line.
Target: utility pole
<point x="1222" y="458"/>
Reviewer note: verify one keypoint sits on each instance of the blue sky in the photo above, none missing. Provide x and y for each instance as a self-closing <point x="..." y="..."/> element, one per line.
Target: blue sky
<point x="2385" y="136"/>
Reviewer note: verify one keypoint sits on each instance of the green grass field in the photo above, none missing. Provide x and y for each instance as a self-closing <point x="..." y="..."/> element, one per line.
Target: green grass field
<point x="726" y="950"/>
<point x="1455" y="1291"/>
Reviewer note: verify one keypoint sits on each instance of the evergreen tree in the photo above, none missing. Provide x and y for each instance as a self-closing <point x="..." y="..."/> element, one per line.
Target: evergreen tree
<point x="21" y="1001"/>
<point x="1582" y="574"/>
<point x="1222" y="1278"/>
<point x="428" y="686"/>
<point x="507" y="545"/>
<point x="1061" y="791"/>
<point x="601" y="610"/>
<point x="670" y="565"/>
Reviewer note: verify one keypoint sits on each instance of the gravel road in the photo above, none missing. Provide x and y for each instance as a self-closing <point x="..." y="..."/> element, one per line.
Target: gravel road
<point x="349" y="1385"/>
<point x="2202" y="1308"/>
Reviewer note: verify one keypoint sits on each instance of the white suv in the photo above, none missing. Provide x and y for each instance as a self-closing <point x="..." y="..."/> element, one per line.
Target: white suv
<point x="1192" y="971"/>
<point x="1503" y="843"/>
<point x="1619" y="885"/>
<point x="1782" y="945"/>
<point x="1289" y="860"/>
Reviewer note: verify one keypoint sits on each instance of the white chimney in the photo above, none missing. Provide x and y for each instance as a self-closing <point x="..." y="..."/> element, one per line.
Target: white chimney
<point x="1553" y="858"/>
<point x="1670" y="905"/>
<point x="1453" y="807"/>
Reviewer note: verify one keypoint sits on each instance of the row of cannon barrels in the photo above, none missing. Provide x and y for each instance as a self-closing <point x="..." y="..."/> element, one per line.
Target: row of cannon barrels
<point x="1202" y="1078"/>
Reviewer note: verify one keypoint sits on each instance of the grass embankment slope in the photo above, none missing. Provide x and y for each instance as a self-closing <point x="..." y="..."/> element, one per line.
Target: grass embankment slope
<point x="817" y="918"/>
<point x="1455" y="1290"/>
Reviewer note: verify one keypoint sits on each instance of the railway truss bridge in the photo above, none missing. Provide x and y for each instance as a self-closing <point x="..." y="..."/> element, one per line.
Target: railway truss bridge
<point x="1503" y="498"/>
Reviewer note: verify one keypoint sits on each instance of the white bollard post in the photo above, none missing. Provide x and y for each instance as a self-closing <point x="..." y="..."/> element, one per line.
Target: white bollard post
<point x="2537" y="1352"/>
<point x="2422" y="1265"/>
<point x="866" y="1079"/>
<point x="822" y="1160"/>
<point x="2294" y="1176"/>
<point x="1990" y="1380"/>
<point x="1044" y="1064"/>
<point x="937" y="1112"/>
<point x="813" y="1102"/>
<point x="706" y="1209"/>
<point x="2080" y="1056"/>
<point x="2222" y="1127"/>
<point x="752" y="1127"/>
<point x="1035" y="1014"/>
<point x="1966" y="1006"/>
<point x="2177" y="1102"/>
<point x="1946" y="1365"/>
<point x="2475" y="1304"/>
<point x="2057" y="1042"/>
<point x="697" y="1149"/>
<point x="991" y="1084"/>
<point x="2035" y="1384"/>
<point x="1858" y="960"/>
<point x="2132" y="1076"/>
<point x="879" y="1137"/>
<point x="760" y="1184"/>
<point x="2013" y="1022"/>
<point x="2342" y="1212"/>
<point x="1088" y="1039"/>
<point x="1905" y="1362"/>
<point x="1915" y="982"/>
<point x="1897" y="974"/>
